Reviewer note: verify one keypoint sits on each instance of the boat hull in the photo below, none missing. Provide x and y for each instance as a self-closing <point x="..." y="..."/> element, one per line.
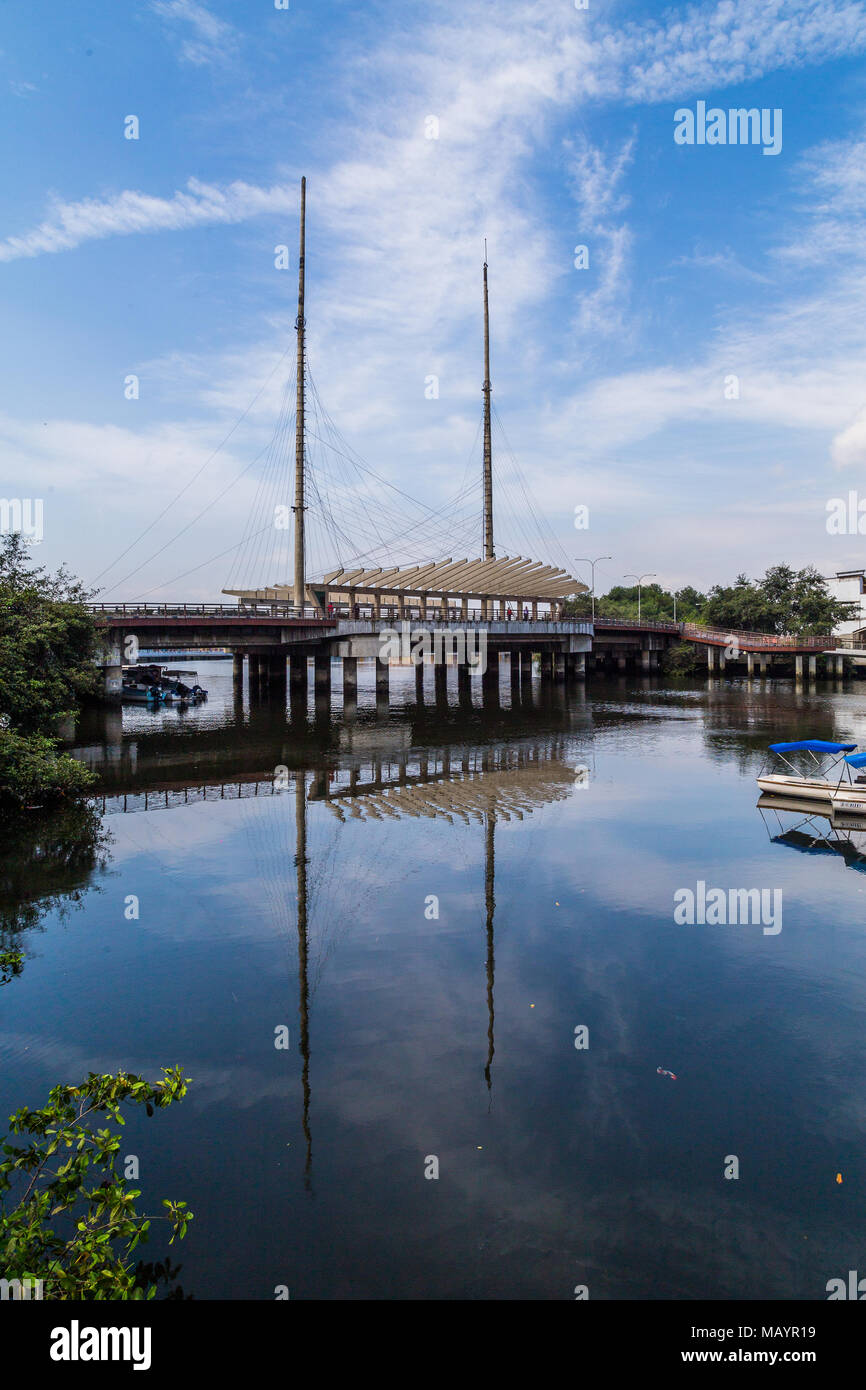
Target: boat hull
<point x="801" y="788"/>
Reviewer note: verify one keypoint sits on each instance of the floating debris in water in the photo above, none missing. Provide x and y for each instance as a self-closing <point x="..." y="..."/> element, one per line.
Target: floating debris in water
<point x="661" y="1072"/>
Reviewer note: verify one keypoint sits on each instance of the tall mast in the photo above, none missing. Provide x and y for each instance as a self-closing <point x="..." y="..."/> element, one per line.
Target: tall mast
<point x="488" y="451"/>
<point x="298" y="509"/>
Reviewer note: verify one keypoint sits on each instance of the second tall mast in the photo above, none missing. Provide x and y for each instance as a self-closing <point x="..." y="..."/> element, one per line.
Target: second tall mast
<point x="298" y="509"/>
<point x="488" y="448"/>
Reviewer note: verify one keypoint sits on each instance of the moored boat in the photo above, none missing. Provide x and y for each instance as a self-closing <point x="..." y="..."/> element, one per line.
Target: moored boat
<point x="817" y="785"/>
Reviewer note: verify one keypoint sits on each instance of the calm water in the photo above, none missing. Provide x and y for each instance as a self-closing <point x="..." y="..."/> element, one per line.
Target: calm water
<point x="553" y="836"/>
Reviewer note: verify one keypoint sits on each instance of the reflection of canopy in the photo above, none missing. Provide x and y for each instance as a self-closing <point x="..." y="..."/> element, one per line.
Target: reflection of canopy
<point x="512" y="789"/>
<point x="813" y="745"/>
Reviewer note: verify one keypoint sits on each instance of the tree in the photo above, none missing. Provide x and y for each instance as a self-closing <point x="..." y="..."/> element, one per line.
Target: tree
<point x="90" y="1258"/>
<point x="785" y="600"/>
<point x="47" y="644"/>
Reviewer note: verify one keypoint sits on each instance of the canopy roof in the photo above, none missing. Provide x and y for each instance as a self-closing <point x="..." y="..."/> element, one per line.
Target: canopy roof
<point x="856" y="759"/>
<point x="510" y="577"/>
<point x="813" y="745"/>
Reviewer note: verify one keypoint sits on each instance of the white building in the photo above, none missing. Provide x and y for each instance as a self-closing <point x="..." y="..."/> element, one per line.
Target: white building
<point x="850" y="587"/>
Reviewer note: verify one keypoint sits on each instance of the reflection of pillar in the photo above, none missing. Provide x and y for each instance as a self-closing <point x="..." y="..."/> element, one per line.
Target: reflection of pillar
<point x="490" y="908"/>
<point x="301" y="873"/>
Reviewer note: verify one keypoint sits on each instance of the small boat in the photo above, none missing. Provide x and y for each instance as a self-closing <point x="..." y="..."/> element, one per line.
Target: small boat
<point x="168" y="687"/>
<point x="809" y="785"/>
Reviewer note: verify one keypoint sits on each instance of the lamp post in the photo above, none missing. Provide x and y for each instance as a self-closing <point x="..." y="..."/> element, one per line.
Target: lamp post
<point x="640" y="579"/>
<point x="582" y="560"/>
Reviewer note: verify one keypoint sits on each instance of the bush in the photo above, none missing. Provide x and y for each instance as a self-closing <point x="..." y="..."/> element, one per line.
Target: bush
<point x="34" y="773"/>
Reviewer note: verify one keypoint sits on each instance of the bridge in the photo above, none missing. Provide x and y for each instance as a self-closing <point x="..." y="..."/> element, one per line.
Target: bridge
<point x="469" y="613"/>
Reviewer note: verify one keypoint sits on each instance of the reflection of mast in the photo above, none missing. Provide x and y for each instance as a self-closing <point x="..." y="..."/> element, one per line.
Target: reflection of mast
<point x="490" y="905"/>
<point x="301" y="869"/>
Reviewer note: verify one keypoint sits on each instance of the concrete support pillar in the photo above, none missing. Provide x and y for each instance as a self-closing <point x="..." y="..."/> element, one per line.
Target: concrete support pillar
<point x="535" y="610"/>
<point x="645" y="660"/>
<point x="559" y="666"/>
<point x="813" y="667"/>
<point x="514" y="668"/>
<point x="350" y="676"/>
<point x="322" y="672"/>
<point x="238" y="669"/>
<point x="525" y="666"/>
<point x="750" y="664"/>
<point x="419" y="683"/>
<point x="383" y="678"/>
<point x="721" y="659"/>
<point x="440" y="682"/>
<point x="546" y="665"/>
<point x="711" y="659"/>
<point x="490" y="678"/>
<point x="621" y="663"/>
<point x="798" y="668"/>
<point x="464" y="687"/>
<point x="276" y="673"/>
<point x="577" y="666"/>
<point x="840" y="666"/>
<point x="298" y="671"/>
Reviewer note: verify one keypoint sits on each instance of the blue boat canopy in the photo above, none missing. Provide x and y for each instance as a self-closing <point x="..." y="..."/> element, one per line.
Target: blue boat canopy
<point x="856" y="759"/>
<point x="815" y="745"/>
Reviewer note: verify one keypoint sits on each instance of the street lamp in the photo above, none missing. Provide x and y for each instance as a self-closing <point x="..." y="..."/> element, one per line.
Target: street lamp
<point x="582" y="560"/>
<point x="640" y="579"/>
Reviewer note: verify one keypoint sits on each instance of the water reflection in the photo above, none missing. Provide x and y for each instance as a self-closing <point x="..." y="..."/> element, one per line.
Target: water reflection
<point x="554" y="828"/>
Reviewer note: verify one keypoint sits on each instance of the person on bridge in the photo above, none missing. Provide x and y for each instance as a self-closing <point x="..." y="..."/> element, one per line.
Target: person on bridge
<point x="510" y="614"/>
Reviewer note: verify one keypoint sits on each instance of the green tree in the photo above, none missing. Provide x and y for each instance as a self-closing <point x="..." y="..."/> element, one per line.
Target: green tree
<point x="90" y="1257"/>
<point x="785" y="600"/>
<point x="47" y="644"/>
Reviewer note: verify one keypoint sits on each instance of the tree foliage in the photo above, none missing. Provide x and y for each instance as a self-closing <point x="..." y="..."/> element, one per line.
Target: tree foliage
<point x="47" y="645"/>
<point x="784" y="601"/>
<point x="67" y="1217"/>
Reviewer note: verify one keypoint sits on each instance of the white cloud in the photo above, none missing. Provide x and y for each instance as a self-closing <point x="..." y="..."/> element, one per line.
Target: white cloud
<point x="211" y="39"/>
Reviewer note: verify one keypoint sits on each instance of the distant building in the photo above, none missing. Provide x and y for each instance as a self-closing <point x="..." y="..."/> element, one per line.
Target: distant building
<point x="850" y="587"/>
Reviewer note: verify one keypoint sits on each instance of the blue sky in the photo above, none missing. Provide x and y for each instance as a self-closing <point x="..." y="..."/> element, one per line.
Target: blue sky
<point x="156" y="257"/>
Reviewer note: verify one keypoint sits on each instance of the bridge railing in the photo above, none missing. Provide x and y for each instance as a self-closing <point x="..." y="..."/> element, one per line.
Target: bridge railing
<point x="693" y="632"/>
<point x="202" y="610"/>
<point x="650" y="624"/>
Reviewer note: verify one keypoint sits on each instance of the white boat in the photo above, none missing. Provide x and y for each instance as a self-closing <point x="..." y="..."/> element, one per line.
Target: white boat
<point x="817" y="785"/>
